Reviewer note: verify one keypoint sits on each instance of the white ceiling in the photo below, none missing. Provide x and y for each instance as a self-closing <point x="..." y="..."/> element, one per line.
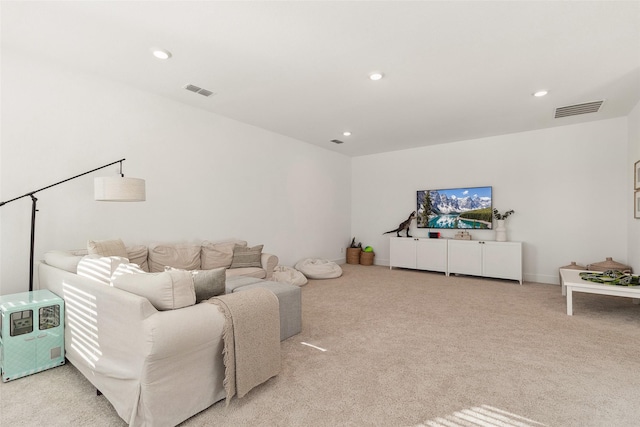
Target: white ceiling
<point x="453" y="70"/>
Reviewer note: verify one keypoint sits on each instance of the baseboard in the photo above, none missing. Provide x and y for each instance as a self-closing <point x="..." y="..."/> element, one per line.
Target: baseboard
<point x="542" y="278"/>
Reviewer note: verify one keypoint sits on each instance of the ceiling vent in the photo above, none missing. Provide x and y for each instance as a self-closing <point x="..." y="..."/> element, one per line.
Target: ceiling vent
<point x="337" y="141"/>
<point x="198" y="90"/>
<point x="574" y="110"/>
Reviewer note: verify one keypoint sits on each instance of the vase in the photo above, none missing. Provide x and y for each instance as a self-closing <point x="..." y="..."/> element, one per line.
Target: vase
<point x="501" y="231"/>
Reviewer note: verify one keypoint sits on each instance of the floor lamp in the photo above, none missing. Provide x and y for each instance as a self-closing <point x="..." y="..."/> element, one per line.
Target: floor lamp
<point x="106" y="189"/>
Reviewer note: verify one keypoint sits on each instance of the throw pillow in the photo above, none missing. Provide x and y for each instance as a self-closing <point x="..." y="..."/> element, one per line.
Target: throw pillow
<point x="107" y="248"/>
<point x="186" y="257"/>
<point x="165" y="291"/>
<point x="220" y="254"/>
<point x="246" y="257"/>
<point x="138" y="255"/>
<point x="100" y="268"/>
<point x="207" y="283"/>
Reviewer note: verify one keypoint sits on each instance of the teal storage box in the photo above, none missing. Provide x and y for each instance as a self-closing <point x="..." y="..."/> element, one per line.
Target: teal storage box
<point x="31" y="333"/>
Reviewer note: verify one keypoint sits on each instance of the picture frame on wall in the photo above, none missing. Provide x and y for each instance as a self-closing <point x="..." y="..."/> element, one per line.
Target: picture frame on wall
<point x="636" y="204"/>
<point x="636" y="175"/>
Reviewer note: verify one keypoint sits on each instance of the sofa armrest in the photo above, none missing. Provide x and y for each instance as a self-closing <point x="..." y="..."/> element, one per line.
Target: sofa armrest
<point x="269" y="262"/>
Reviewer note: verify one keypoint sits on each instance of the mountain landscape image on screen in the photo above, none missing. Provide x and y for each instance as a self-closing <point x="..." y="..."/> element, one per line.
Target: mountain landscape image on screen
<point x="468" y="208"/>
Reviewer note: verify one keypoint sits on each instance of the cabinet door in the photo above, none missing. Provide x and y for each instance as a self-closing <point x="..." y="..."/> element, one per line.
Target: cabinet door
<point x="503" y="260"/>
<point x="431" y="254"/>
<point x="465" y="257"/>
<point x="402" y="252"/>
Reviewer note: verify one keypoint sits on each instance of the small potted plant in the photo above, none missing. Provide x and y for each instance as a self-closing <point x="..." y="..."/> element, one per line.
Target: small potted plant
<point x="501" y="229"/>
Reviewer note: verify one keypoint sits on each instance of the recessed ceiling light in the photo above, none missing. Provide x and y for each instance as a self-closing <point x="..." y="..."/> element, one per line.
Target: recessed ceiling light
<point x="540" y="93"/>
<point x="346" y="133"/>
<point x="161" y="53"/>
<point x="376" y="75"/>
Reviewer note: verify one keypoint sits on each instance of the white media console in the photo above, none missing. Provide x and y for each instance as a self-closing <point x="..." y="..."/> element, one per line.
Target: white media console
<point x="501" y="260"/>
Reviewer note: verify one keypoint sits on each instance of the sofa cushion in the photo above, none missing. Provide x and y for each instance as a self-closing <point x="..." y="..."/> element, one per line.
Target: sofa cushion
<point x="100" y="268"/>
<point x="168" y="290"/>
<point x="220" y="254"/>
<point x="63" y="260"/>
<point x="107" y="248"/>
<point x="258" y="273"/>
<point x="138" y="255"/>
<point x="207" y="283"/>
<point x="244" y="256"/>
<point x="128" y="268"/>
<point x="185" y="257"/>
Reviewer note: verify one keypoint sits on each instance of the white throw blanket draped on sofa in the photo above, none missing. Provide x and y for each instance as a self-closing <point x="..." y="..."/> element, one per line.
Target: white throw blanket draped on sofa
<point x="251" y="339"/>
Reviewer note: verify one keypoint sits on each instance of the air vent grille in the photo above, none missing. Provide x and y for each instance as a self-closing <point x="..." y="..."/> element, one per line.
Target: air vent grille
<point x="198" y="90"/>
<point x="337" y="141"/>
<point x="574" y="110"/>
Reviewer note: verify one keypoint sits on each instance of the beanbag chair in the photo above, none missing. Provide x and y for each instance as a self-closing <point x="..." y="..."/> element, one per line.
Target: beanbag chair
<point x="289" y="275"/>
<point x="319" y="268"/>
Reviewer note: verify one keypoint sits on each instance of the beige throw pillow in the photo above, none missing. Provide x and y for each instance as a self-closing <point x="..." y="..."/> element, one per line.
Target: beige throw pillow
<point x="165" y="291"/>
<point x="216" y="255"/>
<point x="246" y="257"/>
<point x="207" y="283"/>
<point x="107" y="248"/>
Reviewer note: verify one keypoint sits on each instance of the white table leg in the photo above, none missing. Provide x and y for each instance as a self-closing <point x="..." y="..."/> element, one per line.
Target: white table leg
<point x="569" y="302"/>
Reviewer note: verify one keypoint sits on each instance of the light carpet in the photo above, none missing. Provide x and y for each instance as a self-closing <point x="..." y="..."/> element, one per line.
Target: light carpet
<point x="410" y="348"/>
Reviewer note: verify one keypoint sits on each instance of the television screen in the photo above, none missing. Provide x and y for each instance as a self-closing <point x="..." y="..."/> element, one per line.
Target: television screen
<point x="466" y="208"/>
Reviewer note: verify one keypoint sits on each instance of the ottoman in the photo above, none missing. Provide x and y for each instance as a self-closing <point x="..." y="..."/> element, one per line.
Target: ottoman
<point x="289" y="298"/>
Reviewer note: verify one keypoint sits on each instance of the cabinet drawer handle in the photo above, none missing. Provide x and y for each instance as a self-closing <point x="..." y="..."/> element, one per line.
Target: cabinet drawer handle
<point x="30" y="338"/>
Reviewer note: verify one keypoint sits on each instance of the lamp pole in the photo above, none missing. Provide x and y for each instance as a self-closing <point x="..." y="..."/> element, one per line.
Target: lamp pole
<point x="34" y="201"/>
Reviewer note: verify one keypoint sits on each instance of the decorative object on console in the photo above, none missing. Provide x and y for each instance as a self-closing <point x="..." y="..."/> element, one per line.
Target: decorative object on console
<point x="105" y="189"/>
<point x="403" y="225"/>
<point x="462" y="235"/>
<point x="501" y="229"/>
<point x="434" y="234"/>
<point x="467" y="208"/>
<point x="609" y="264"/>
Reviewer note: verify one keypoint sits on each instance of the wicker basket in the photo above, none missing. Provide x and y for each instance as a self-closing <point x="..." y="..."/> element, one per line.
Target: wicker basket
<point x="366" y="258"/>
<point x="572" y="266"/>
<point x="353" y="255"/>
<point x="609" y="264"/>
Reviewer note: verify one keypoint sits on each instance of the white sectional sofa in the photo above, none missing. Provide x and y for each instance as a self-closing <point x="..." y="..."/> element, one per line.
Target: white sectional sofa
<point x="156" y="366"/>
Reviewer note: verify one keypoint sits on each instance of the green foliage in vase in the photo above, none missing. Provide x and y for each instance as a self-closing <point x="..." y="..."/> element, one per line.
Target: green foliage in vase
<point x="498" y="215"/>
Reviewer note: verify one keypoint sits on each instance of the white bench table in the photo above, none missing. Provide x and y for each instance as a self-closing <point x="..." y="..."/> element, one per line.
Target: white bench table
<point x="572" y="282"/>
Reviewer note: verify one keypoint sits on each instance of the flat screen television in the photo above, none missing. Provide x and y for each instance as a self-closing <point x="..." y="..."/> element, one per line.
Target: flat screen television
<point x="466" y="208"/>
